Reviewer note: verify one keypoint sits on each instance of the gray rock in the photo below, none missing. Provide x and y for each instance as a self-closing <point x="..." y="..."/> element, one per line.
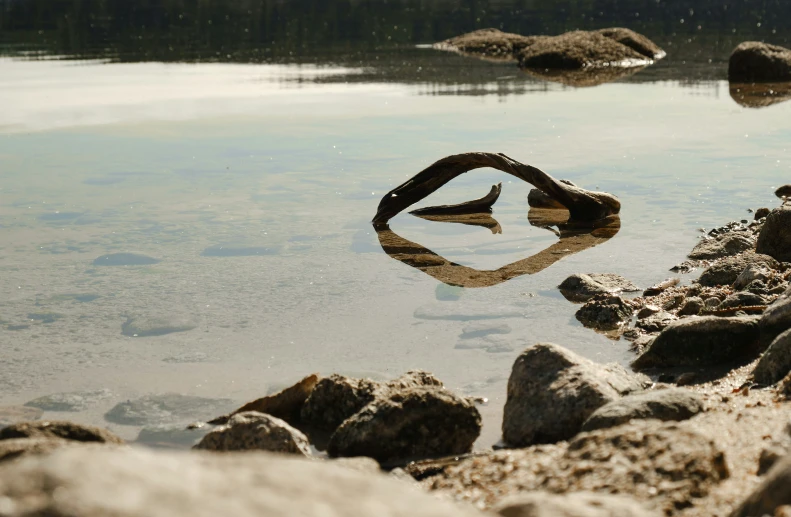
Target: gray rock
<point x="97" y="482"/>
<point x="410" y="423"/>
<point x="742" y="299"/>
<point x="474" y="330"/>
<point x="691" y="307"/>
<point x="776" y="318"/>
<point x="166" y="408"/>
<point x="71" y="401"/>
<point x="552" y="391"/>
<point x="656" y="322"/>
<point x="776" y="361"/>
<point x="574" y="504"/>
<point x="724" y="245"/>
<point x="256" y="431"/>
<point x="726" y="271"/>
<point x="604" y="313"/>
<point x="583" y="287"/>
<point x="669" y="404"/>
<point x="125" y="259"/>
<point x="703" y="341"/>
<point x="49" y="429"/>
<point x="775" y="491"/>
<point x="157" y="324"/>
<point x="750" y="274"/>
<point x="775" y="237"/>
<point x="754" y="61"/>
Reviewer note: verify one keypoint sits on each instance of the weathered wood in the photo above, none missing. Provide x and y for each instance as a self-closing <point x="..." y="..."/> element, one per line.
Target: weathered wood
<point x="476" y="206"/>
<point x="583" y="205"/>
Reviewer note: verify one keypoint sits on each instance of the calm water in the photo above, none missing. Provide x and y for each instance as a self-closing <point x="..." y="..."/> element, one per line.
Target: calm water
<point x="247" y="157"/>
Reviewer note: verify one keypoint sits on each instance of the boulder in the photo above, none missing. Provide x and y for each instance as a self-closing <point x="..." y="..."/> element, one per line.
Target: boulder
<point x="605" y="312"/>
<point x="286" y="404"/>
<point x="94" y="482"/>
<point x="775" y="491"/>
<point x="583" y="287"/>
<point x="703" y="341"/>
<point x="775" y="237"/>
<point x="724" y="245"/>
<point x="776" y="361"/>
<point x="666" y="405"/>
<point x="726" y="271"/>
<point x="409" y="423"/>
<point x="741" y="299"/>
<point x="776" y="319"/>
<point x="750" y="274"/>
<point x="579" y="49"/>
<point x="754" y="61"/>
<point x="574" y="504"/>
<point x="552" y="391"/>
<point x="692" y="307"/>
<point x="250" y="431"/>
<point x="59" y="430"/>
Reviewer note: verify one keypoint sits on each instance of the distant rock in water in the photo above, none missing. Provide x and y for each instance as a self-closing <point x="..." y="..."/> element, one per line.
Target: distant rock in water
<point x="754" y="61"/>
<point x="125" y="259"/>
<point x="166" y="408"/>
<point x="156" y="325"/>
<point x="223" y="250"/>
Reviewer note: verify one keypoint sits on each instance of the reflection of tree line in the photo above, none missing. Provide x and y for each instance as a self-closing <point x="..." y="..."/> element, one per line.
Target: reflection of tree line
<point x="320" y="30"/>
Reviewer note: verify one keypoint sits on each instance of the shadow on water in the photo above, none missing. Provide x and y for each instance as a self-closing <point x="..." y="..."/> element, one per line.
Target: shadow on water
<point x="573" y="238"/>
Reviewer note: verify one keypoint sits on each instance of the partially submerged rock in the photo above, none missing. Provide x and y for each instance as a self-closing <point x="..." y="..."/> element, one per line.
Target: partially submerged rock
<point x="669" y="404"/>
<point x="582" y="287"/>
<point x="575" y="504"/>
<point x="285" y="404"/>
<point x="488" y="43"/>
<point x="775" y="363"/>
<point x="755" y="61"/>
<point x="60" y="430"/>
<point x="775" y="237"/>
<point x="605" y="312"/>
<point x="250" y="430"/>
<point x="552" y="391"/>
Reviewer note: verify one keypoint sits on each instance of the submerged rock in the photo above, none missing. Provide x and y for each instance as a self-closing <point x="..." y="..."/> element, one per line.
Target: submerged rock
<point x="476" y="330"/>
<point x="59" y="430"/>
<point x="488" y="43"/>
<point x="165" y="408"/>
<point x="251" y="430"/>
<point x="583" y="287"/>
<point x="285" y="404"/>
<point x="775" y="237"/>
<point x="754" y="61"/>
<point x="703" y="341"/>
<point x="726" y="271"/>
<point x="552" y="391"/>
<point x="72" y="401"/>
<point x="669" y="404"/>
<point x="157" y="325"/>
<point x="125" y="259"/>
<point x="724" y="245"/>
<point x="776" y="361"/>
<point x="575" y="504"/>
<point x="605" y="313"/>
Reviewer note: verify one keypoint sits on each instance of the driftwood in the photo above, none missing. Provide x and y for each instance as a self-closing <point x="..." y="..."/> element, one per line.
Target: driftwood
<point x="476" y="206"/>
<point x="484" y="220"/>
<point x="583" y="205"/>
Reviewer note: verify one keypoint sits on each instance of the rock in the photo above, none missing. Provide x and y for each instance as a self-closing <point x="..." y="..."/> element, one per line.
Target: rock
<point x="583" y="287"/>
<point x="635" y="41"/>
<point x="578" y="49"/>
<point x="775" y="491"/>
<point x="776" y="361"/>
<point x="285" y="404"/>
<point x="61" y="430"/>
<point x="605" y="312"/>
<point x="669" y="404"/>
<point x="125" y="259"/>
<point x="18" y="447"/>
<point x="656" y="323"/>
<point x="647" y="311"/>
<point x="470" y="311"/>
<point x="575" y="504"/>
<point x="761" y="213"/>
<point x="703" y="341"/>
<point x="475" y="330"/>
<point x="157" y="325"/>
<point x="250" y="431"/>
<point x="538" y="199"/>
<point x="13" y="414"/>
<point x="724" y="245"/>
<point x="691" y="307"/>
<point x="776" y="318"/>
<point x="94" y="482"/>
<point x="750" y="274"/>
<point x="726" y="271"/>
<point x="661" y="287"/>
<point x="166" y="408"/>
<point x="488" y="43"/>
<point x="742" y="299"/>
<point x="72" y="401"/>
<point x="410" y="423"/>
<point x="775" y="237"/>
<point x="711" y="303"/>
<point x="552" y="391"/>
<point x="754" y="61"/>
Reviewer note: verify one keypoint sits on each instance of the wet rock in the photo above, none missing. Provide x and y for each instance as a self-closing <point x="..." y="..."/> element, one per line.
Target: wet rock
<point x="538" y="199"/>
<point x="750" y="274"/>
<point x="656" y="323"/>
<point x="775" y="491"/>
<point x="583" y="287"/>
<point x="775" y="237"/>
<point x="59" y="430"/>
<point x="605" y="313"/>
<point x="475" y="330"/>
<point x="742" y="299"/>
<point x="761" y="213"/>
<point x="776" y="318"/>
<point x="285" y="404"/>
<point x="470" y="311"/>
<point x="775" y="363"/>
<point x="415" y="422"/>
<point x="691" y="307"/>
<point x="575" y="504"/>
<point x="256" y="431"/>
<point x="647" y="311"/>
<point x="728" y="270"/>
<point x="578" y="49"/>
<point x="754" y="61"/>
<point x="157" y="324"/>
<point x="703" y="341"/>
<point x="724" y="245"/>
<point x="669" y="404"/>
<point x="488" y="43"/>
<point x="635" y="41"/>
<point x="13" y="414"/>
<point x="71" y="401"/>
<point x="97" y="482"/>
<point x="125" y="259"/>
<point x="166" y="408"/>
<point x="171" y="436"/>
<point x="552" y="391"/>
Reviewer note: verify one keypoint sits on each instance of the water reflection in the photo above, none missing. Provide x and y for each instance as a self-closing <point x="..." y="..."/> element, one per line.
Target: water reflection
<point x="591" y="76"/>
<point x="483" y="220"/>
<point x="760" y="95"/>
<point x="573" y="238"/>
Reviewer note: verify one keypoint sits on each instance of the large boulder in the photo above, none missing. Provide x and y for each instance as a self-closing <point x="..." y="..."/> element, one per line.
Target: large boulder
<point x="776" y="319"/>
<point x="775" y="491"/>
<point x="670" y="404"/>
<point x="726" y="271"/>
<point x="552" y="391"/>
<point x="754" y="61"/>
<point x="776" y="361"/>
<point x="583" y="287"/>
<point x="409" y="423"/>
<point x="775" y="237"/>
<point x="723" y="245"/>
<point x="251" y="431"/>
<point x="703" y="341"/>
<point x="96" y="482"/>
<point x="575" y="504"/>
<point x="59" y="430"/>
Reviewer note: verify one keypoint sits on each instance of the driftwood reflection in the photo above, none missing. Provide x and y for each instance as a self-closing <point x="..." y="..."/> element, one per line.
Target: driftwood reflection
<point x="484" y="220"/>
<point x="574" y="237"/>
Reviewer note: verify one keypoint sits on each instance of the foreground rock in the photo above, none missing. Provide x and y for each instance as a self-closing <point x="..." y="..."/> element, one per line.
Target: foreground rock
<point x="703" y="341"/>
<point x="774" y="492"/>
<point x="137" y="483"/>
<point x="775" y="237"/>
<point x="667" y="405"/>
<point x="59" y="430"/>
<point x="415" y="422"/>
<point x="576" y="504"/>
<point x="552" y="391"/>
<point x="776" y="361"/>
<point x="285" y="404"/>
<point x="251" y="431"/>
<point x="583" y="287"/>
<point x="754" y="61"/>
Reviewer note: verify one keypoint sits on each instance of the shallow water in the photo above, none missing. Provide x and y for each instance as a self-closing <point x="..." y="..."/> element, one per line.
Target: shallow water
<point x="228" y="205"/>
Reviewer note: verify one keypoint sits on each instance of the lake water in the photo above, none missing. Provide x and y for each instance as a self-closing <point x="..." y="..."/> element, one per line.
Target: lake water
<point x="252" y="183"/>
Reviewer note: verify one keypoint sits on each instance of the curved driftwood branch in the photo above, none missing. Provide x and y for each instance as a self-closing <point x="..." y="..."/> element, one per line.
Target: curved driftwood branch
<point x="476" y="206"/>
<point x="583" y="205"/>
